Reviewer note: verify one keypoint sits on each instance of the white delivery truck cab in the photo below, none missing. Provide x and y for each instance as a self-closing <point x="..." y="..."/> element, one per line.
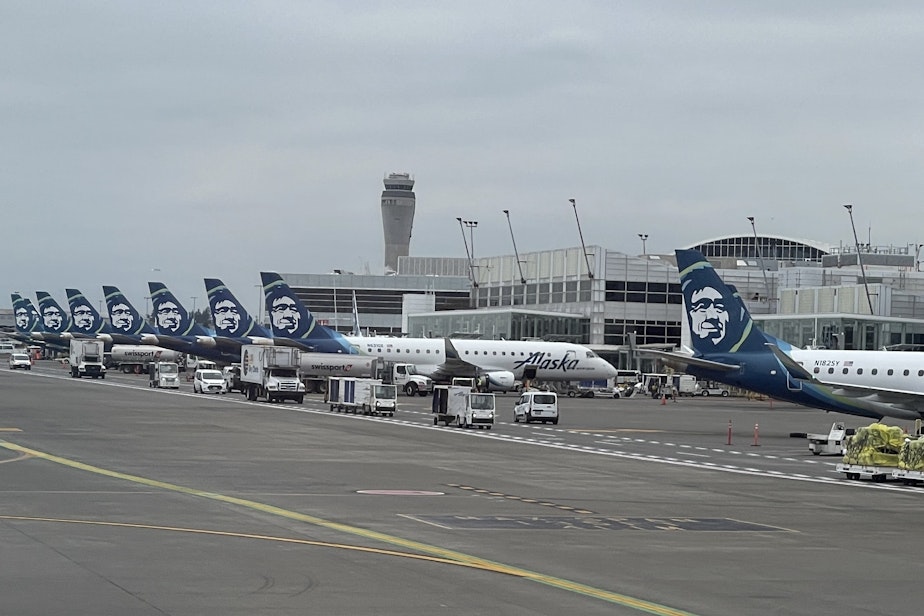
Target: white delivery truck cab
<point x="164" y="374"/>
<point x="535" y="405"/>
<point x="454" y="404"/>
<point x="402" y="375"/>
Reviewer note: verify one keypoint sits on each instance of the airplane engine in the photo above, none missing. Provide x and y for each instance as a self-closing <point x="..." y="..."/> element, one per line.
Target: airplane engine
<point x="501" y="380"/>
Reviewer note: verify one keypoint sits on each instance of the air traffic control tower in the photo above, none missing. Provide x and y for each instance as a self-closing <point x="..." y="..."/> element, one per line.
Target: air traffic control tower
<point x="398" y="205"/>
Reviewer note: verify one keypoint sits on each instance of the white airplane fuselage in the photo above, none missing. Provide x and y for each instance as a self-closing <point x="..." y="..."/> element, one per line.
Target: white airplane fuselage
<point x="552" y="361"/>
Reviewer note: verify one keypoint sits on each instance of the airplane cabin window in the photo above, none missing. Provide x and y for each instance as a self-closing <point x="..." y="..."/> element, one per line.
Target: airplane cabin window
<point x="817" y="369"/>
<point x="906" y="372"/>
<point x="875" y="371"/>
<point x="846" y="370"/>
<point x="859" y="370"/>
<point x="920" y="372"/>
<point x="891" y="372"/>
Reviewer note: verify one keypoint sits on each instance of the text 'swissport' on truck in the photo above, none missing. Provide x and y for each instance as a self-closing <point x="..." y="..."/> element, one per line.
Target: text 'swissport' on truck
<point x="317" y="368"/>
<point x="137" y="358"/>
<point x="271" y="373"/>
<point x="86" y="358"/>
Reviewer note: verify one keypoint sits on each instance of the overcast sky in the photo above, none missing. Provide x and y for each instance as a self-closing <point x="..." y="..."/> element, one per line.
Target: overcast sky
<point x="175" y="141"/>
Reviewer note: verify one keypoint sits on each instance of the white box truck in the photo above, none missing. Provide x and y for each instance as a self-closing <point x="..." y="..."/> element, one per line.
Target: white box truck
<point x="366" y="396"/>
<point x="86" y="358"/>
<point x="271" y="372"/>
<point x="454" y="404"/>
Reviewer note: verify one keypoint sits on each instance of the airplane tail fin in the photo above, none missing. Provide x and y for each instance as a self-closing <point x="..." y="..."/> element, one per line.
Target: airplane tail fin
<point x="123" y="316"/>
<point x="170" y="317"/>
<point x="54" y="318"/>
<point x="25" y="316"/>
<point x="290" y="318"/>
<point x="228" y="314"/>
<point x="718" y="320"/>
<point x="84" y="317"/>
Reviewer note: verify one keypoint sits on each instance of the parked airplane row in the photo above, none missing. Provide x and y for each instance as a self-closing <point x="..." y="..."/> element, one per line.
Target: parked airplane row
<point x="724" y="345"/>
<point x="500" y="362"/>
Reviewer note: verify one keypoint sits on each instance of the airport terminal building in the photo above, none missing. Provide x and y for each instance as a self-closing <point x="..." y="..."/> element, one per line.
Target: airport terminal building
<point x="802" y="291"/>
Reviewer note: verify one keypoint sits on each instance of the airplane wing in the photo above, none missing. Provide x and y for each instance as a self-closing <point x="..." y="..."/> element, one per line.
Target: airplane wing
<point x="453" y="365"/>
<point x="681" y="361"/>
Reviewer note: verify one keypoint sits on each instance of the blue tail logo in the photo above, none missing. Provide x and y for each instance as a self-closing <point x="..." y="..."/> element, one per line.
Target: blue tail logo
<point x="718" y="319"/>
<point x="54" y="319"/>
<point x="123" y="316"/>
<point x="85" y="318"/>
<point x="25" y="315"/>
<point x="170" y="317"/>
<point x="290" y="318"/>
<point x="228" y="314"/>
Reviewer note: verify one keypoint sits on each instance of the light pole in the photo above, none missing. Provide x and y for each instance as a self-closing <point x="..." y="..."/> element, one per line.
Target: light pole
<point x="471" y="224"/>
<point x="643" y="237"/>
<point x="590" y="273"/>
<point x="259" y="303"/>
<point x="760" y="259"/>
<point x="856" y="241"/>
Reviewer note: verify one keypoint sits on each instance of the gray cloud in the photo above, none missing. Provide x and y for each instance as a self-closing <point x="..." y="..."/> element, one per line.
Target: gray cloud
<point x="219" y="139"/>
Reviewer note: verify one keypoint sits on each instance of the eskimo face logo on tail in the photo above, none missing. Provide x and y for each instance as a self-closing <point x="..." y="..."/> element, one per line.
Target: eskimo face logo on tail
<point x="284" y="315"/>
<point x="122" y="316"/>
<point x="227" y="317"/>
<point x="52" y="318"/>
<point x="24" y="313"/>
<point x="708" y="315"/>
<point x="83" y="317"/>
<point x="168" y="316"/>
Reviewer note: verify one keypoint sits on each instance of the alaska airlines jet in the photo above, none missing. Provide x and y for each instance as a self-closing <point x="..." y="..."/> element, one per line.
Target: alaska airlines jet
<point x="501" y="362"/>
<point x="729" y="348"/>
<point x="56" y="323"/>
<point x="181" y="332"/>
<point x="26" y="319"/>
<point x="230" y="318"/>
<point x="126" y="318"/>
<point x="86" y="321"/>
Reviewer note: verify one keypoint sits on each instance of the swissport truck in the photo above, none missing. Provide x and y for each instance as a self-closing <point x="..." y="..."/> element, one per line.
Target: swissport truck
<point x="366" y="396"/>
<point x="317" y="368"/>
<point x="86" y="358"/>
<point x="271" y="372"/>
<point x="137" y="358"/>
<point x="462" y="406"/>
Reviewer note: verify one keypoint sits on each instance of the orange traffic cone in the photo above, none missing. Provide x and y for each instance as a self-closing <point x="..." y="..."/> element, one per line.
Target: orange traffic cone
<point x="663" y="399"/>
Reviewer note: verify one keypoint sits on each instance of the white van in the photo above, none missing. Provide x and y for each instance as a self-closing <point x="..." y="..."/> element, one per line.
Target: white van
<point x="536" y="406"/>
<point x="209" y="382"/>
